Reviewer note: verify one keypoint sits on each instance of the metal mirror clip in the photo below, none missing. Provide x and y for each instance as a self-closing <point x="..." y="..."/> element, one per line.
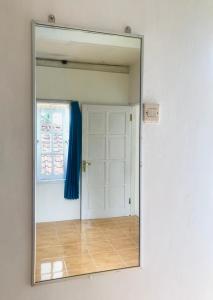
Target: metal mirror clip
<point x="128" y="29"/>
<point x="51" y="18"/>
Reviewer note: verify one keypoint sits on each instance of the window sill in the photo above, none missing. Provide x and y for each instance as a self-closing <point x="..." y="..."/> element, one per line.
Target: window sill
<point x="50" y="181"/>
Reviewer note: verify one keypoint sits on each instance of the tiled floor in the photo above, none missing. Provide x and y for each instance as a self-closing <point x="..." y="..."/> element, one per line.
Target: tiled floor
<point x="76" y="247"/>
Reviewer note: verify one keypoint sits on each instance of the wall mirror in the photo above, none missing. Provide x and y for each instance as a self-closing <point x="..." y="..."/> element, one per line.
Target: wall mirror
<point x="87" y="97"/>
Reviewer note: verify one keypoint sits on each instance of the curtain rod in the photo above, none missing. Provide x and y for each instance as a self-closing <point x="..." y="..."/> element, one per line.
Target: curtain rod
<point x="67" y="64"/>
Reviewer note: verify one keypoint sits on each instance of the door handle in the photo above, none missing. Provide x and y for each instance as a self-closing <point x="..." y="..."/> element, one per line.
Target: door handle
<point x="85" y="164"/>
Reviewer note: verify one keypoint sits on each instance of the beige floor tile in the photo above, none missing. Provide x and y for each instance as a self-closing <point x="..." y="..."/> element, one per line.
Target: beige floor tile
<point x="49" y="252"/>
<point x="74" y="249"/>
<point x="46" y="242"/>
<point x="70" y="248"/>
<point x="123" y="243"/>
<point x="82" y="270"/>
<point x="82" y="263"/>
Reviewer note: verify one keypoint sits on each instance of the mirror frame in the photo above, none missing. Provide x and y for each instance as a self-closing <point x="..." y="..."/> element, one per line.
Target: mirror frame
<point x="35" y="24"/>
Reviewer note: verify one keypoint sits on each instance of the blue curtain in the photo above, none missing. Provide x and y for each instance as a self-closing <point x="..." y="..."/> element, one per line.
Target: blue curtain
<point x="72" y="182"/>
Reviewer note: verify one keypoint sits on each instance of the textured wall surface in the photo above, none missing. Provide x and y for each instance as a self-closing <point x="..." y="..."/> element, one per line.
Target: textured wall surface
<point x="177" y="190"/>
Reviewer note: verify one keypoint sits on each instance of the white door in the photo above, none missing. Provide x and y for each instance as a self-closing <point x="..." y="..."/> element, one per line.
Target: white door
<point x="106" y="157"/>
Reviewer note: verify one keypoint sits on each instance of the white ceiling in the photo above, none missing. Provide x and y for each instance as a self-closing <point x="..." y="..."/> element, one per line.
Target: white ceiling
<point x="87" y="47"/>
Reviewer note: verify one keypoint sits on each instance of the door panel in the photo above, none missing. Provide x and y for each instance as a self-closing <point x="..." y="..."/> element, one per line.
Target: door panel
<point x="116" y="173"/>
<point x="96" y="197"/>
<point x="96" y="147"/>
<point x="116" y="198"/>
<point x="116" y="147"/>
<point x="96" y="174"/>
<point x="96" y="122"/>
<point x="106" y="147"/>
<point x="116" y="123"/>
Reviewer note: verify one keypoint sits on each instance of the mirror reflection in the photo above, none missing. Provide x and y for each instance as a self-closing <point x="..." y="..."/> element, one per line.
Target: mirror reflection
<point x="87" y="107"/>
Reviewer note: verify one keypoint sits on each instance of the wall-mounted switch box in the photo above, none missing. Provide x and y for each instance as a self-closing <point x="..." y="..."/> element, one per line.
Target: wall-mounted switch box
<point x="151" y="113"/>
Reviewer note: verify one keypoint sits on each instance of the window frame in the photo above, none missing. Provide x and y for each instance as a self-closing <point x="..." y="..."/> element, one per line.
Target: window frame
<point x="41" y="178"/>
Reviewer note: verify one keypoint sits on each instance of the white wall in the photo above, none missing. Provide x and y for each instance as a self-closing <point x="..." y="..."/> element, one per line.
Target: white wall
<point x="134" y="83"/>
<point x="86" y="86"/>
<point x="51" y="205"/>
<point x="177" y="155"/>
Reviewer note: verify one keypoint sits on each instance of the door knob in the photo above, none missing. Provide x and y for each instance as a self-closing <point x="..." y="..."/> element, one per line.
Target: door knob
<point x="85" y="164"/>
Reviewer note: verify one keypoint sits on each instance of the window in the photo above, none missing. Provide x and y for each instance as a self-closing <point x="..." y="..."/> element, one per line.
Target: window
<point x="52" y="140"/>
